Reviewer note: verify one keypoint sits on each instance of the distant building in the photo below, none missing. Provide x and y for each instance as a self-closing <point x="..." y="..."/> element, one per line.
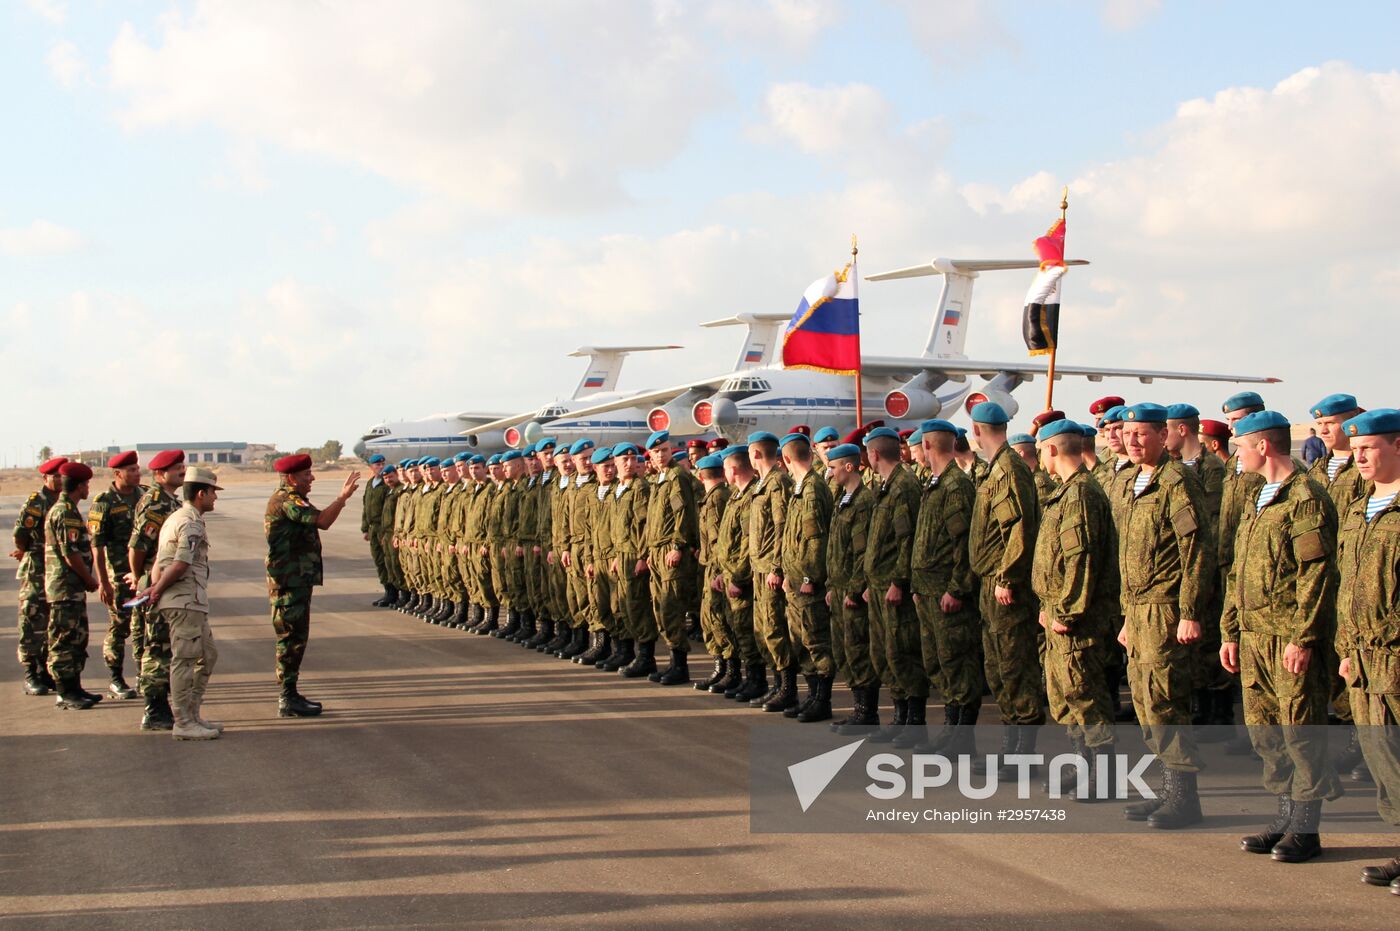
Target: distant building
<point x="200" y="453"/>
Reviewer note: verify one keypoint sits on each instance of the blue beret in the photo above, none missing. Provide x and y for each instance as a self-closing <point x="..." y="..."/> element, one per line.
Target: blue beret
<point x="657" y="438"/>
<point x="1089" y="430"/>
<point x="1260" y="420"/>
<point x="478" y="459"/>
<point x="989" y="412"/>
<point x="712" y="461"/>
<point x="735" y="451"/>
<point x="511" y="456"/>
<point x="1055" y="428"/>
<point x="581" y="446"/>
<point x="528" y="450"/>
<point x="548" y="442"/>
<point x="825" y="434"/>
<point x="1243" y="399"/>
<point x="625" y="449"/>
<point x="1182" y="411"/>
<point x="462" y="457"/>
<point x="1016" y="439"/>
<point x="1328" y="406"/>
<point x="1146" y="412"/>
<point x="390" y="468"/>
<point x="915" y="437"/>
<point x="601" y="455"/>
<point x="794" y="438"/>
<point x="410" y="463"/>
<point x="962" y="431"/>
<point x="494" y="460"/>
<point x="762" y="436"/>
<point x="430" y="461"/>
<point x="1382" y="420"/>
<point x="1113" y="415"/>
<point x="375" y="458"/>
<point x="680" y="454"/>
<point x="405" y="463"/>
<point x="881" y="431"/>
<point x="844" y="451"/>
<point x="936" y="426"/>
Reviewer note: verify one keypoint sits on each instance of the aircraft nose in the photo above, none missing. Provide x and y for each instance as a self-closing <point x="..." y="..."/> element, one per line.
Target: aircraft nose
<point x="359" y="449"/>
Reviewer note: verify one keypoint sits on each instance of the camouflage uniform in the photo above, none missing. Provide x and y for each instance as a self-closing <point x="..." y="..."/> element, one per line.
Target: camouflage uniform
<point x="895" y="642"/>
<point x="767" y="514"/>
<point x="627" y="526"/>
<point x="65" y="535"/>
<point x="151" y="512"/>
<point x="293" y="570"/>
<point x="939" y="564"/>
<point x="403" y="529"/>
<point x="737" y="568"/>
<point x="375" y="494"/>
<point x="109" y="521"/>
<point x="1001" y="547"/>
<point x="388" y="515"/>
<point x="425" y="529"/>
<point x="502" y="535"/>
<point x="672" y="524"/>
<point x="845" y="578"/>
<point x="33" y="606"/>
<point x="578" y="507"/>
<point x="805" y="532"/>
<point x="714" y="606"/>
<point x="1075" y="575"/>
<point x="1165" y="566"/>
<point x="1045" y="485"/>
<point x="454" y="587"/>
<point x="1368" y="632"/>
<point x="474" y="529"/>
<point x="1281" y="590"/>
<point x="600" y="554"/>
<point x="559" y="543"/>
<point x="1345" y="490"/>
<point x="1206" y="671"/>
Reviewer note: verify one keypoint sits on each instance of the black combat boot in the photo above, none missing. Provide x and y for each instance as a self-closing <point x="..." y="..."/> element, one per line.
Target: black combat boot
<point x="71" y="696"/>
<point x="544" y="632"/>
<point x="915" y="729"/>
<point x="679" y="671"/>
<point x="1302" y="842"/>
<point x="444" y="616"/>
<point x="462" y="617"/>
<point x="427" y="604"/>
<point x="1351" y="753"/>
<point x="1141" y="811"/>
<point x="606" y="649"/>
<point x="528" y="623"/>
<point x="33" y="682"/>
<point x="1182" y="806"/>
<point x="597" y="642"/>
<point x="1107" y="781"/>
<point x="867" y="710"/>
<point x="577" y="643"/>
<point x="158" y="716"/>
<point x="1200" y="707"/>
<point x="1026" y="737"/>
<point x="622" y="657"/>
<point x="753" y="685"/>
<point x="656" y="674"/>
<point x="491" y="622"/>
<point x="819" y="708"/>
<point x="384" y="600"/>
<point x="1010" y="738"/>
<point x="733" y="675"/>
<point x="90" y="696"/>
<point x="795" y="710"/>
<point x="643" y="664"/>
<point x="1265" y="840"/>
<point x="402" y="601"/>
<point x="716" y="674"/>
<point x="1361" y="773"/>
<point x="964" y="740"/>
<point x="47" y="679"/>
<point x="118" y="686"/>
<point x="553" y="645"/>
<point x="292" y="705"/>
<point x="901" y="715"/>
<point x="786" y="696"/>
<point x="768" y="696"/>
<point x="512" y="625"/>
<point x="1382" y="875"/>
<point x="938" y="741"/>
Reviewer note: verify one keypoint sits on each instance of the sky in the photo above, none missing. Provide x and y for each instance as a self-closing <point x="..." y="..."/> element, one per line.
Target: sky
<point x="285" y="222"/>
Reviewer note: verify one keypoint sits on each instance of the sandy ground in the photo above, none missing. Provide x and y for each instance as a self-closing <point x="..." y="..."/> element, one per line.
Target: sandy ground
<point x="457" y="781"/>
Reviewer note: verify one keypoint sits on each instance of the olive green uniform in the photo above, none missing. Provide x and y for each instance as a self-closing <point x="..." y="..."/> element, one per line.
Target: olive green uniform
<point x="33" y="605"/>
<point x="474" y="530"/>
<point x="896" y="649"/>
<point x="845" y="579"/>
<point x="578" y="532"/>
<point x="1002" y="546"/>
<point x="1281" y="591"/>
<point x="672" y="525"/>
<point x="502" y="531"/>
<point x="375" y="494"/>
<point x="951" y="642"/>
<point x="714" y="606"/>
<point x="293" y="570"/>
<point x="805" y="529"/>
<point x="109" y="521"/>
<point x="1345" y="489"/>
<point x="388" y="514"/>
<point x="65" y="536"/>
<point x="767" y="514"/>
<point x="737" y="568"/>
<point x="1206" y="671"/>
<point x="600" y="556"/>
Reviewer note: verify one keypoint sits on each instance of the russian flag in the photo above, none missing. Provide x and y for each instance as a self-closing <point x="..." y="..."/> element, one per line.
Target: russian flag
<point x="753" y="355"/>
<point x="824" y="333"/>
<point x="593" y="381"/>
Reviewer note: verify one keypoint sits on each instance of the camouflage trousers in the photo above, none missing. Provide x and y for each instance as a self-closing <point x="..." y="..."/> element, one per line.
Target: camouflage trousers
<point x="1276" y="703"/>
<point x="579" y="593"/>
<point x="738" y="624"/>
<point x="155" y="661"/>
<point x="393" y="569"/>
<point x="558" y="589"/>
<point x="481" y="574"/>
<point x="671" y="590"/>
<point x="952" y="648"/>
<point x="770" y="622"/>
<point x="192" y="655"/>
<point x="33" y="630"/>
<point x="896" y="649"/>
<point x="634" y="601"/>
<point x="1159" y="674"/>
<point x="453" y="585"/>
<point x="291" y="620"/>
<point x="809" y="625"/>
<point x="713" y="608"/>
<point x="1206" y="671"/>
<point x="1379" y="734"/>
<point x="68" y="639"/>
<point x="603" y="597"/>
<point x="850" y="639"/>
<point x="536" y="586"/>
<point x="1009" y="645"/>
<point x="381" y="563"/>
<point x="120" y="629"/>
<point x="1077" y="688"/>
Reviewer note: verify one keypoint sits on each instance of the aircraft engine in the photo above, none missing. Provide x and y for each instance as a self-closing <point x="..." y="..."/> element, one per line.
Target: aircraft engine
<point x="492" y="439"/>
<point x="534" y="432"/>
<point x="514" y="437"/>
<point x="676" y="417"/>
<point x="723" y="412"/>
<point x="912" y="404"/>
<point x="988" y="393"/>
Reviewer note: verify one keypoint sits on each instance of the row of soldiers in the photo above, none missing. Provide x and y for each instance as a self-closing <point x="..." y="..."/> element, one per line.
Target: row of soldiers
<point x="905" y="563"/>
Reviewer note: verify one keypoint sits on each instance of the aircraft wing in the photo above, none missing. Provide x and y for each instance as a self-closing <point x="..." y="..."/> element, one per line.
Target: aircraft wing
<point x="473" y="417"/>
<point x="962" y="266"/>
<point x="895" y="366"/>
<point x="647" y="398"/>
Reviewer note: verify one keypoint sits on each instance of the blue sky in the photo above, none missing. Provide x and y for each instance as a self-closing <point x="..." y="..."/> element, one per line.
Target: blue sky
<point x="317" y="217"/>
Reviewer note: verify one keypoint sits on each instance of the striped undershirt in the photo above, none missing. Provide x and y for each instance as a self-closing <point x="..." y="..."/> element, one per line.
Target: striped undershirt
<point x="846" y="498"/>
<point x="1140" y="483"/>
<point x="1335" y="465"/>
<point x="1377" y="504"/>
<point x="1266" y="495"/>
<point x="1239" y="466"/>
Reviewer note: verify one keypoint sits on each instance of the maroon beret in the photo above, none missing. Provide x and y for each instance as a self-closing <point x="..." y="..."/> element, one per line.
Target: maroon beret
<point x="695" y="444"/>
<point x="165" y="459"/>
<point x="857" y="435"/>
<point x="1103" y="404"/>
<point x="122" y="460"/>
<point x="52" y="466"/>
<point x="295" y="463"/>
<point x="1215" y="428"/>
<point x="803" y="429"/>
<point x="1044" y="417"/>
<point x="718" y="442"/>
<point x="905" y="434"/>
<point x="75" y="470"/>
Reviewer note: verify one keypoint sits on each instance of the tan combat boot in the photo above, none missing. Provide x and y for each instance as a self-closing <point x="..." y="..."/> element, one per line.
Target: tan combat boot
<point x="196" y="706"/>
<point x="187" y="726"/>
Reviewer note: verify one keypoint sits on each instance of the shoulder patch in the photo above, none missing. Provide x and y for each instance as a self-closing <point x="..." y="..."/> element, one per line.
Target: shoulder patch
<point x="1308" y="546"/>
<point x="1184" y="522"/>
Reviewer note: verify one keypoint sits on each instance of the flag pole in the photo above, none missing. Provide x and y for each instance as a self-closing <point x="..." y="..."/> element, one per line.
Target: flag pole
<point x="1050" y="369"/>
<point x="860" y="413"/>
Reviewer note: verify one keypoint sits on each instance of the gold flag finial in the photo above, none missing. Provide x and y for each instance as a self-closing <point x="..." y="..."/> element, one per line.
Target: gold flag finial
<point x="854" y="250"/>
<point x="1064" y="201"/>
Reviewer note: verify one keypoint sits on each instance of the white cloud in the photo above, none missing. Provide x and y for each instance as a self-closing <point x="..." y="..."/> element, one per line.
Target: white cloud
<point x="40" y="238"/>
<point x="66" y="63"/>
<point x="502" y="107"/>
<point x="55" y="11"/>
<point x="954" y="33"/>
<point x="1123" y="15"/>
<point x="789" y="25"/>
<point x="243" y="169"/>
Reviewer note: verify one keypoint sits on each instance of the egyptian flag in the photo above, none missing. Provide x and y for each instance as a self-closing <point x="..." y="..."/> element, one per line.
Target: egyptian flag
<point x="824" y="333"/>
<point x="1041" y="324"/>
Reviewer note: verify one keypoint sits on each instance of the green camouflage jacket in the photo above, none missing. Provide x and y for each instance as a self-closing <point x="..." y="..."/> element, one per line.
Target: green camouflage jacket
<point x="850" y="532"/>
<point x="1368" y="601"/>
<point x="767" y="513"/>
<point x="65" y="534"/>
<point x="580" y="507"/>
<point x="1238" y="491"/>
<point x="1347" y="488"/>
<point x="733" y="543"/>
<point x="940" y="562"/>
<point x="110" y="519"/>
<point x="388" y="514"/>
<point x="889" y="545"/>
<point x="1004" y="521"/>
<point x="1075" y="572"/>
<point x="672" y="518"/>
<point x="559" y="514"/>
<point x="29" y="537"/>
<point x="710" y="517"/>
<point x="375" y="493"/>
<point x="805" y="529"/>
<point x="151" y="511"/>
<point x="627" y="518"/>
<point x="293" y="541"/>
<point x="1163" y="556"/>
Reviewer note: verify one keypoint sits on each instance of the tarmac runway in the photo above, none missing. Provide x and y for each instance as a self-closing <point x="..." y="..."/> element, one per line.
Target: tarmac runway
<point x="457" y="781"/>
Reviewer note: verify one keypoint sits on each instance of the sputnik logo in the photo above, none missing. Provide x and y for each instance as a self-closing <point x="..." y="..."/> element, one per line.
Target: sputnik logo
<point x="811" y="776"/>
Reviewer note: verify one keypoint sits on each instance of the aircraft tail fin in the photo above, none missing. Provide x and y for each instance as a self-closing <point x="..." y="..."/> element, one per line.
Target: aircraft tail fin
<point x="762" y="340"/>
<point x="604" y="365"/>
